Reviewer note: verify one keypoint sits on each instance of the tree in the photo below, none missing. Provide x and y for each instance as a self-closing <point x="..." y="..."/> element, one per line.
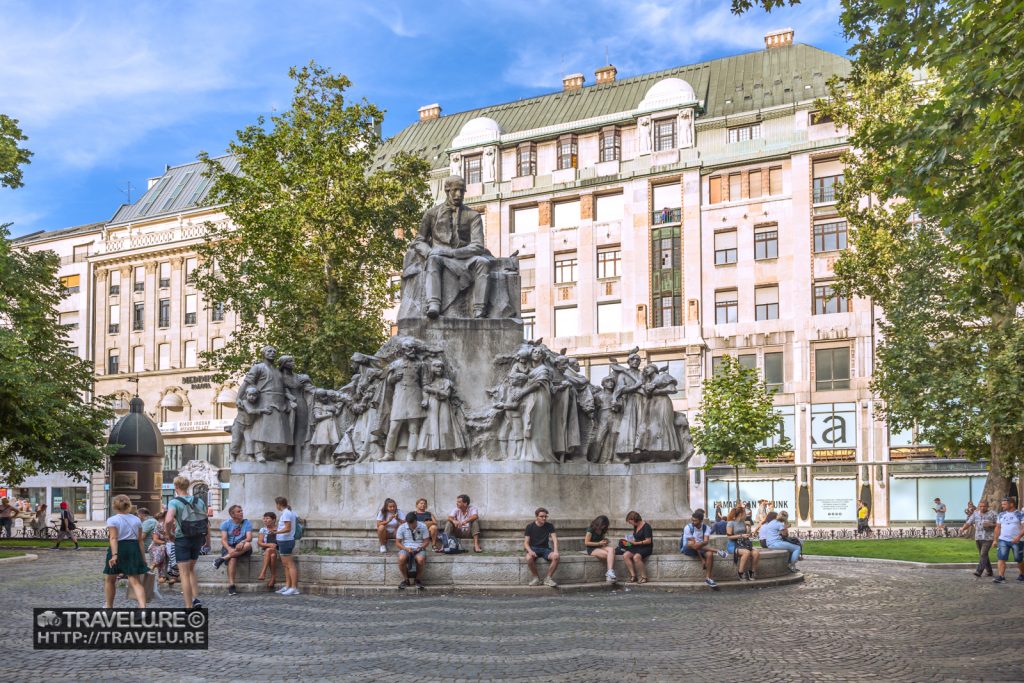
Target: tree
<point x="46" y="426"/>
<point x="737" y="423"/>
<point x="315" y="231"/>
<point x="934" y="196"/>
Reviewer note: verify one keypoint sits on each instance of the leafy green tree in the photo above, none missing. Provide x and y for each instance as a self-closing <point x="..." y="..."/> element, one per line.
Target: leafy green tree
<point x="315" y="231"/>
<point x="736" y="423"/>
<point x="935" y="198"/>
<point x="46" y="424"/>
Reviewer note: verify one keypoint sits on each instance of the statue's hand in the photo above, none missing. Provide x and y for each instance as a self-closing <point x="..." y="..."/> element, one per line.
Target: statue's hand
<point x="441" y="251"/>
<point x="423" y="403"/>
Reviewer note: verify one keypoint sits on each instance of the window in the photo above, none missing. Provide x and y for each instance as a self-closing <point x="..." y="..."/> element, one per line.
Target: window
<point x="825" y="188"/>
<point x="766" y="244"/>
<point x="565" y="268"/>
<point x="725" y="247"/>
<point x="744" y="133"/>
<point x="217" y="312"/>
<point x="748" y="361"/>
<point x="165" y="275"/>
<point x="164" y="317"/>
<point x="139" y="279"/>
<point x="818" y="118"/>
<point x="827" y="300"/>
<point x="665" y="204"/>
<point x="597" y="372"/>
<point x="138" y="358"/>
<point x="566" y="214"/>
<point x="80" y="253"/>
<point x="666" y="277"/>
<point x="473" y="169"/>
<point x="164" y="356"/>
<point x="191" y="308"/>
<point x="567" y="322"/>
<point x="831" y="369"/>
<point x="829" y="237"/>
<point x="115" y="282"/>
<point x="608" y="262"/>
<point x="524" y="220"/>
<point x="191" y="348"/>
<point x="529" y="325"/>
<point x="138" y="316"/>
<point x="766" y="303"/>
<point x="608" y="207"/>
<point x="567" y="152"/>
<point x="113" y="361"/>
<point x="726" y="307"/>
<point x="609" y="317"/>
<point x="71" y="284"/>
<point x="664" y="135"/>
<point x="715" y="189"/>
<point x="775" y="180"/>
<point x="217" y="343"/>
<point x="773" y="371"/>
<point x="716" y="364"/>
<point x="526" y="159"/>
<point x="735" y="191"/>
<point x="610" y="148"/>
<point x="527" y="272"/>
<point x="754" y="184"/>
<point x="114" y="320"/>
<point x="69" y="320"/>
<point x="190" y="270"/>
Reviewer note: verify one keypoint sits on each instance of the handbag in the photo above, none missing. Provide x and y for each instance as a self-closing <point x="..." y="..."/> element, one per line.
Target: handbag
<point x="744" y="544"/>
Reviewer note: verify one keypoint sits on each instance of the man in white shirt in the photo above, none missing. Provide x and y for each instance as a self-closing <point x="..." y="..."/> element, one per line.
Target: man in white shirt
<point x="411" y="539"/>
<point x="1008" y="535"/>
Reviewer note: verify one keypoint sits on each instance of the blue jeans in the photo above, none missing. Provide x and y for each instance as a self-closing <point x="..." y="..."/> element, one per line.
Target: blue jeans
<point x="793" y="548"/>
<point x="1005" y="549"/>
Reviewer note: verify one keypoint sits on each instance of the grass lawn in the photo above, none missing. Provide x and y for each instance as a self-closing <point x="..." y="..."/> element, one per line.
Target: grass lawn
<point x="10" y="553"/>
<point x="934" y="550"/>
<point x="44" y="543"/>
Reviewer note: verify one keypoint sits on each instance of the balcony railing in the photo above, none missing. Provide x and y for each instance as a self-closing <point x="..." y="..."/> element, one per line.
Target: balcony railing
<point x="666" y="216"/>
<point x="152" y="238"/>
<point x="139" y="287"/>
<point x="114" y="328"/>
<point x="190" y="318"/>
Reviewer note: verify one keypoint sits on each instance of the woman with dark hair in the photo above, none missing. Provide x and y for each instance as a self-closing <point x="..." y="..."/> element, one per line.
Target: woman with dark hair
<point x="596" y="544"/>
<point x="388" y="520"/>
<point x="636" y="547"/>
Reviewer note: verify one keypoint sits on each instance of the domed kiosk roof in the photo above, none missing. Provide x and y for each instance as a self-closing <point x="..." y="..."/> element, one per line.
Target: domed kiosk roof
<point x="477" y="132"/>
<point x="137" y="434"/>
<point x="668" y="93"/>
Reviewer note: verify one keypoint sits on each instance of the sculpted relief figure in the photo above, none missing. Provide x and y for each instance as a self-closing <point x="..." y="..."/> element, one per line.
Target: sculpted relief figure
<point x="658" y="437"/>
<point x="605" y="432"/>
<point x="403" y="405"/>
<point x="442" y="432"/>
<point x="242" y="446"/>
<point x="272" y="428"/>
<point x="325" y="435"/>
<point x="565" y="427"/>
<point x="300" y="386"/>
<point x="629" y="398"/>
<point x="450" y="250"/>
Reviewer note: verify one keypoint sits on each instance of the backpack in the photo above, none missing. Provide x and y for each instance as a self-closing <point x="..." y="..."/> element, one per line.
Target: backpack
<point x="194" y="522"/>
<point x="300" y="527"/>
<point x="449" y="544"/>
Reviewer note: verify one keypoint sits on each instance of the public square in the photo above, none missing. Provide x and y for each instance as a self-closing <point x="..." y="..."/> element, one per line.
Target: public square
<point x="849" y="621"/>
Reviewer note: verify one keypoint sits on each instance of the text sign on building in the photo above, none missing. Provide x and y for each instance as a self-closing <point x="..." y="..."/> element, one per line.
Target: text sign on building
<point x="834" y="425"/>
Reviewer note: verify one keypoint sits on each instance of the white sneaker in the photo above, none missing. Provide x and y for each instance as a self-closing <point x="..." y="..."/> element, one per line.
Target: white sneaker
<point x="722" y="553"/>
<point x="535" y="581"/>
<point x="383" y="548"/>
<point x="550" y="582"/>
<point x="610" y="576"/>
<point x="291" y="591"/>
<point x="282" y="590"/>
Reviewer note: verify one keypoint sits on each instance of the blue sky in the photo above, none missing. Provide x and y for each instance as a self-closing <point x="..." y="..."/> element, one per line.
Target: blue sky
<point x="110" y="92"/>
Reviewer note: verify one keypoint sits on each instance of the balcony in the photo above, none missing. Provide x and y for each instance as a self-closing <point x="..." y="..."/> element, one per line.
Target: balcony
<point x="190" y="318"/>
<point x="825" y="189"/>
<point x="666" y="216"/>
<point x="138" y="326"/>
<point x="149" y="239"/>
<point x="114" y="328"/>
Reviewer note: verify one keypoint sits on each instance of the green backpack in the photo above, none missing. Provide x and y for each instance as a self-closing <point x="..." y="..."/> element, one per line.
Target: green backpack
<point x="194" y="522"/>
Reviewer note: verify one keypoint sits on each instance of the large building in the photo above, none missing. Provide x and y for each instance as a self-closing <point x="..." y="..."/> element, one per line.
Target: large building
<point x="689" y="212"/>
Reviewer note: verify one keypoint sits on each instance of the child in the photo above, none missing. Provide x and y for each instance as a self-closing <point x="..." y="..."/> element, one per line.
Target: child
<point x="606" y="429"/>
<point x="325" y="431"/>
<point x="510" y="433"/>
<point x="241" y="428"/>
<point x="267" y="541"/>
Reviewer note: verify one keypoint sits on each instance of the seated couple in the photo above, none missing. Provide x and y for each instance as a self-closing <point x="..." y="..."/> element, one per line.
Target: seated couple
<point x="462" y="522"/>
<point x="635" y="548"/>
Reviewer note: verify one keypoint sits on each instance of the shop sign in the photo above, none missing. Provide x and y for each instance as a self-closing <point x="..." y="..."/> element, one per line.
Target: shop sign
<point x="834" y="425"/>
<point x="835" y="500"/>
<point x="198" y="381"/>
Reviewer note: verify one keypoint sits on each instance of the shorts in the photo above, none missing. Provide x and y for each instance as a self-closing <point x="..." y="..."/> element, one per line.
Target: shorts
<point x="940" y="519"/>
<point x="404" y="555"/>
<point x="247" y="553"/>
<point x="542" y="552"/>
<point x="690" y="552"/>
<point x="1005" y="548"/>
<point x="187" y="548"/>
<point x="285" y="547"/>
<point x="644" y="551"/>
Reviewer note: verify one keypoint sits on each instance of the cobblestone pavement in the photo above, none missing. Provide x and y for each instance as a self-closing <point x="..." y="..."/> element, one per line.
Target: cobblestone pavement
<point x="848" y="622"/>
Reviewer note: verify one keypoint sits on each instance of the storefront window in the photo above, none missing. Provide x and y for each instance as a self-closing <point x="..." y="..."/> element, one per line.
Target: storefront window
<point x="35" y="495"/>
<point x="835" y="499"/>
<point x="75" y="496"/>
<point x="911" y="499"/>
<point x="781" y="492"/>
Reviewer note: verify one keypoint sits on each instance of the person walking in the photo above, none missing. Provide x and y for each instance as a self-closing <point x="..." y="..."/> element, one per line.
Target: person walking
<point x="862" y="518"/>
<point x="984" y="522"/>
<point x="187" y="522"/>
<point x="286" y="523"/>
<point x="126" y="554"/>
<point x="940" y="514"/>
<point x="1008" y="533"/>
<point x="67" y="525"/>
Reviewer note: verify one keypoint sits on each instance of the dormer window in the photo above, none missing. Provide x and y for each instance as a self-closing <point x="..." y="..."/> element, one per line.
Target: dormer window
<point x="472" y="169"/>
<point x="567" y="152"/>
<point x="664" y="135"/>
<point x="611" y="144"/>
<point x="526" y="159"/>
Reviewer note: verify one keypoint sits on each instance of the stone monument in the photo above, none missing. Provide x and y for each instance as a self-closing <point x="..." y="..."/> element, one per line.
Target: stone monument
<point x="457" y="402"/>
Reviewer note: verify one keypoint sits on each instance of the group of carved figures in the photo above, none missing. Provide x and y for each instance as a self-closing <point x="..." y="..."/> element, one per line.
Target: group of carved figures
<point x="403" y="401"/>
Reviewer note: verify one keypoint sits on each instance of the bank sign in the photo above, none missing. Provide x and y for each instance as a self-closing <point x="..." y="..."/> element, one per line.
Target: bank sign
<point x="833" y="425"/>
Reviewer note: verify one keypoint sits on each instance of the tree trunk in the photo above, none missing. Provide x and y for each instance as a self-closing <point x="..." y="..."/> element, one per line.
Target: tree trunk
<point x="997" y="486"/>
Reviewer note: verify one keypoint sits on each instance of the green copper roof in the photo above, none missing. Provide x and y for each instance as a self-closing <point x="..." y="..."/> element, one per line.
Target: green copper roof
<point x="730" y="85"/>
<point x="180" y="188"/>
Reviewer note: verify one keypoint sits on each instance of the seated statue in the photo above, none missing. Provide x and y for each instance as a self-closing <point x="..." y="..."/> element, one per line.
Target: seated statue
<point x="447" y="263"/>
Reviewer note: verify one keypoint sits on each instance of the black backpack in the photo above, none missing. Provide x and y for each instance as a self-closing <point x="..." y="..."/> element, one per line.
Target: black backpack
<point x="194" y="522"/>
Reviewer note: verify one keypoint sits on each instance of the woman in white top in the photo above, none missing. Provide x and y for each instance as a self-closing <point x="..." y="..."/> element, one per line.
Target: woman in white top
<point x="126" y="554"/>
<point x="286" y="526"/>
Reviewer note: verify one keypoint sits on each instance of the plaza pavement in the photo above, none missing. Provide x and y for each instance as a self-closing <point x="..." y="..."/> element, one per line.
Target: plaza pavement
<point x="847" y="622"/>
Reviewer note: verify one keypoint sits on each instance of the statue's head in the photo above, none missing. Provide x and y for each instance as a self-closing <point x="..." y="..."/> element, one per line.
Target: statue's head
<point x="323" y="395"/>
<point x="634" y="360"/>
<point x="574" y="364"/>
<point x="537" y="354"/>
<point x="517" y="379"/>
<point x="252" y="395"/>
<point x="408" y="348"/>
<point x="286" y="363"/>
<point x="269" y="353"/>
<point x="523" y="353"/>
<point x="651" y="370"/>
<point x="455" y="189"/>
<point x="561" y="362"/>
<point x="608" y="382"/>
<point x="437" y="367"/>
